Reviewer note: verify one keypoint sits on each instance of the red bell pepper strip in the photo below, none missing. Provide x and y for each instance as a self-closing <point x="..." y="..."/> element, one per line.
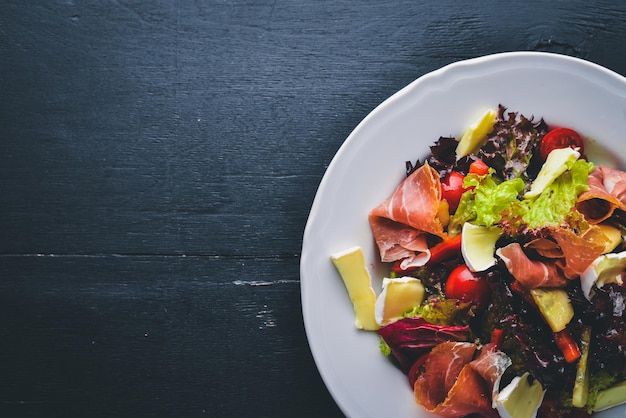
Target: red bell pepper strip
<point x="445" y="249"/>
<point x="396" y="268"/>
<point x="479" y="167"/>
<point x="568" y="346"/>
<point x="440" y="252"/>
<point x="497" y="338"/>
<point x="452" y="189"/>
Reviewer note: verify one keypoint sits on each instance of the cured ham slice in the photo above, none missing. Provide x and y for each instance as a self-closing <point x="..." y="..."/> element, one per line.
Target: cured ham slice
<point x="530" y="273"/>
<point x="440" y="372"/>
<point x="545" y="247"/>
<point x="572" y="252"/>
<point x="490" y="365"/>
<point x="401" y="223"/>
<point x="415" y="202"/>
<point x="468" y="396"/>
<point x="579" y="251"/>
<point x="397" y="241"/>
<point x="453" y="384"/>
<point x="614" y="181"/>
<point x="607" y="193"/>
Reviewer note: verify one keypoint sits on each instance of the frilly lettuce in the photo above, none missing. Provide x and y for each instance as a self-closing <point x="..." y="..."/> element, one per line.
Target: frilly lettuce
<point x="511" y="144"/>
<point x="441" y="311"/>
<point x="509" y="149"/>
<point x="485" y="202"/>
<point x="489" y="201"/>
<point x="556" y="202"/>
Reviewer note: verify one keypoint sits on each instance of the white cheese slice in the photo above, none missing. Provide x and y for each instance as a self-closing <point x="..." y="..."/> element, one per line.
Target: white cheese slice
<point x="520" y="398"/>
<point x="398" y="296"/>
<point x="555" y="165"/>
<point x="350" y="264"/>
<point x="476" y="134"/>
<point x="478" y="246"/>
<point x="608" y="268"/>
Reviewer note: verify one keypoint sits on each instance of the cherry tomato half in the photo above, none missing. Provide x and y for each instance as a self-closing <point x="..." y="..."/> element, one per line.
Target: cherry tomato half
<point x="560" y="138"/>
<point x="452" y="189"/>
<point x="466" y="286"/>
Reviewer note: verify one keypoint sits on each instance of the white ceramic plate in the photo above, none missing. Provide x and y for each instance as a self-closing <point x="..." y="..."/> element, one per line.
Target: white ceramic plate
<point x="370" y="164"/>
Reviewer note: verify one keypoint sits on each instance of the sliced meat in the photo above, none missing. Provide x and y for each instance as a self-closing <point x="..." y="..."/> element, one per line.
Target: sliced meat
<point x="415" y="202"/>
<point x="606" y="194"/>
<point x="490" y="365"/>
<point x="440" y="372"/>
<point x="451" y="383"/>
<point x="530" y="273"/>
<point x="545" y="247"/>
<point x="412" y="210"/>
<point x="579" y="250"/>
<point x="571" y="251"/>
<point x="468" y="396"/>
<point x="397" y="241"/>
<point x="614" y="181"/>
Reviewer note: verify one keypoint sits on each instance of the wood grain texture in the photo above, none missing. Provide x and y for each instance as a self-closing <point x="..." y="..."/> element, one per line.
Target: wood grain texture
<point x="143" y="336"/>
<point x="157" y="164"/>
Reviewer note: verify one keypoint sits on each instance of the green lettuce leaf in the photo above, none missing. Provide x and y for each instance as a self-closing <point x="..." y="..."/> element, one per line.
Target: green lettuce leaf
<point x="557" y="201"/>
<point x="489" y="201"/>
<point x="486" y="201"/>
<point x="441" y="311"/>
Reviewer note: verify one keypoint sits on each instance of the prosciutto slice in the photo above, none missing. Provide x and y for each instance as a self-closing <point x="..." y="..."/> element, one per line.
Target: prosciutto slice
<point x="579" y="250"/>
<point x="530" y="273"/>
<point x="490" y="365"/>
<point x="545" y="247"/>
<point x="572" y="252"/>
<point x="606" y="194"/>
<point x="567" y="255"/>
<point x="397" y="241"/>
<point x="453" y="384"/>
<point x="401" y="223"/>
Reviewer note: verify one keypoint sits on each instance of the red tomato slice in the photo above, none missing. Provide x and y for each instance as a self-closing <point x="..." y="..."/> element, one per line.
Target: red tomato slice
<point x="452" y="189"/>
<point x="466" y="286"/>
<point x="560" y="138"/>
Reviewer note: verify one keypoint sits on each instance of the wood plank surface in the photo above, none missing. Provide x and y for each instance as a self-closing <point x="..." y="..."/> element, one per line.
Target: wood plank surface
<point x="146" y="336"/>
<point x="158" y="161"/>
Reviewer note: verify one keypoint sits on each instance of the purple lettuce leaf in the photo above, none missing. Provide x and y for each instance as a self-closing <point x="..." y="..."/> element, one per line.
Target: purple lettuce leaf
<point x="410" y="338"/>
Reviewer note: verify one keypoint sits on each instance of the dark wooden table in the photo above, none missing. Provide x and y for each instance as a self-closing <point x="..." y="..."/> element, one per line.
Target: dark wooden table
<point x="157" y="164"/>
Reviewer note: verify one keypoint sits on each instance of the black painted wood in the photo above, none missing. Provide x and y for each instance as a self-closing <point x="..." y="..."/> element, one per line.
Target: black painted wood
<point x="157" y="164"/>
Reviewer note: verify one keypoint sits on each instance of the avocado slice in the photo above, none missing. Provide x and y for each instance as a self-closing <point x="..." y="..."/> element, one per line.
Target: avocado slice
<point x="613" y="396"/>
<point x="555" y="306"/>
<point x="581" y="383"/>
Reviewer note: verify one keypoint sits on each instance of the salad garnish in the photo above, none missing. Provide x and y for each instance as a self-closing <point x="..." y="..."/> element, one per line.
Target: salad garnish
<point x="506" y="257"/>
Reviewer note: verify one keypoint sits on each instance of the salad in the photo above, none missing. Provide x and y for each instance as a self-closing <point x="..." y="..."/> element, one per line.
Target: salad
<point x="506" y="256"/>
